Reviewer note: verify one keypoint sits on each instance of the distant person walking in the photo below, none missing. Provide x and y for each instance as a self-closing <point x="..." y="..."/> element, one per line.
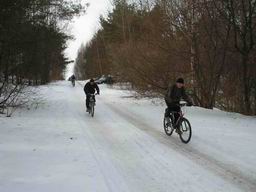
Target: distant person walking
<point x="73" y="80"/>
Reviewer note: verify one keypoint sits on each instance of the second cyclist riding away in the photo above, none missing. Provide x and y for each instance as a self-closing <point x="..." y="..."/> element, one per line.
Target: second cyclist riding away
<point x="89" y="89"/>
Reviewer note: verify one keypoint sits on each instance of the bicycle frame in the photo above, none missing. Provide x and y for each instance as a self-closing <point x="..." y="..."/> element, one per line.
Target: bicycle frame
<point x="92" y="98"/>
<point x="181" y="114"/>
<point x="91" y="104"/>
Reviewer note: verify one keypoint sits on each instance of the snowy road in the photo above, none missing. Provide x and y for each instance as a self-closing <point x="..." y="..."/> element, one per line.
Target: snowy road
<point x="58" y="147"/>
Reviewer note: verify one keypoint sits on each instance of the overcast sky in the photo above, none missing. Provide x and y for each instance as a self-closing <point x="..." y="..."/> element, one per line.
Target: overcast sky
<point x="85" y="26"/>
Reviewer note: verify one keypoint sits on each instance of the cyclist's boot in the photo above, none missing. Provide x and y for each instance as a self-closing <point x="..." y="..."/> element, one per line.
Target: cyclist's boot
<point x="87" y="109"/>
<point x="178" y="130"/>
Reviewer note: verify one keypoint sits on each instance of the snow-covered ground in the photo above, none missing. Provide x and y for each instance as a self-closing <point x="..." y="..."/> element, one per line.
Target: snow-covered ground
<point x="59" y="147"/>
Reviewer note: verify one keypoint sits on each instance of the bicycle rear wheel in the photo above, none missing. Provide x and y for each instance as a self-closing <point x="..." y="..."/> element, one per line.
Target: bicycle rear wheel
<point x="186" y="131"/>
<point x="92" y="110"/>
<point x="167" y="127"/>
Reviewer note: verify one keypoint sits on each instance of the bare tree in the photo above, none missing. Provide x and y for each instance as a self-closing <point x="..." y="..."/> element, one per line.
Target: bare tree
<point x="241" y="15"/>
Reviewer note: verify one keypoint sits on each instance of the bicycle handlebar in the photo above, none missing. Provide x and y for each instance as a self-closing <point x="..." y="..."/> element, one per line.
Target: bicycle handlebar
<point x="185" y="104"/>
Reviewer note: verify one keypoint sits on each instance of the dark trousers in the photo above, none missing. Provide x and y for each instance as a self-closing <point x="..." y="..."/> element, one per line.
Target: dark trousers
<point x="88" y="96"/>
<point x="172" y="107"/>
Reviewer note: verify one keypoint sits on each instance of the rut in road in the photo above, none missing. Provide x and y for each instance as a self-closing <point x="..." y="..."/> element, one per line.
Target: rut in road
<point x="227" y="172"/>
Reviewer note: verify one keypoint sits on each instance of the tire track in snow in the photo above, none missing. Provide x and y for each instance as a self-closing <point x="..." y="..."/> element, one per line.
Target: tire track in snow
<point x="112" y="178"/>
<point x="227" y="172"/>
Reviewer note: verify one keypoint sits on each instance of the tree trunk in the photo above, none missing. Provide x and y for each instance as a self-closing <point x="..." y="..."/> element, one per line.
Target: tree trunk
<point x="246" y="86"/>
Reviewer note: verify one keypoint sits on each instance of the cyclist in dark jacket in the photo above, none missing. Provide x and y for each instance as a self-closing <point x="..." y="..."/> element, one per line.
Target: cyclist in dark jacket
<point x="73" y="77"/>
<point x="90" y="88"/>
<point x="173" y="96"/>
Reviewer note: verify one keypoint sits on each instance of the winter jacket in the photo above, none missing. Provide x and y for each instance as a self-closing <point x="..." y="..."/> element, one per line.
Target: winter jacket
<point x="73" y="77"/>
<point x="175" y="94"/>
<point x="90" y="89"/>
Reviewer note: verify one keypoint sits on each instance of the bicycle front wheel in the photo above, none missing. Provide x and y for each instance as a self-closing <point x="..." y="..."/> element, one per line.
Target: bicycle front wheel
<point x="186" y="131"/>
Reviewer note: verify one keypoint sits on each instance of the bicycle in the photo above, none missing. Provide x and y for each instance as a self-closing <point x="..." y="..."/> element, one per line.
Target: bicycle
<point x="182" y="127"/>
<point x="92" y="103"/>
<point x="73" y="82"/>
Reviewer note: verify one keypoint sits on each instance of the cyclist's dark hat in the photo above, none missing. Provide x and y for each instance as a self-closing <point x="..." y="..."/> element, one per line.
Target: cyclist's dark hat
<point x="180" y="80"/>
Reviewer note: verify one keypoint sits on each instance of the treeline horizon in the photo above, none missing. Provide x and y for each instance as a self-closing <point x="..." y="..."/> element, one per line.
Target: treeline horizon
<point x="211" y="43"/>
<point x="33" y="38"/>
